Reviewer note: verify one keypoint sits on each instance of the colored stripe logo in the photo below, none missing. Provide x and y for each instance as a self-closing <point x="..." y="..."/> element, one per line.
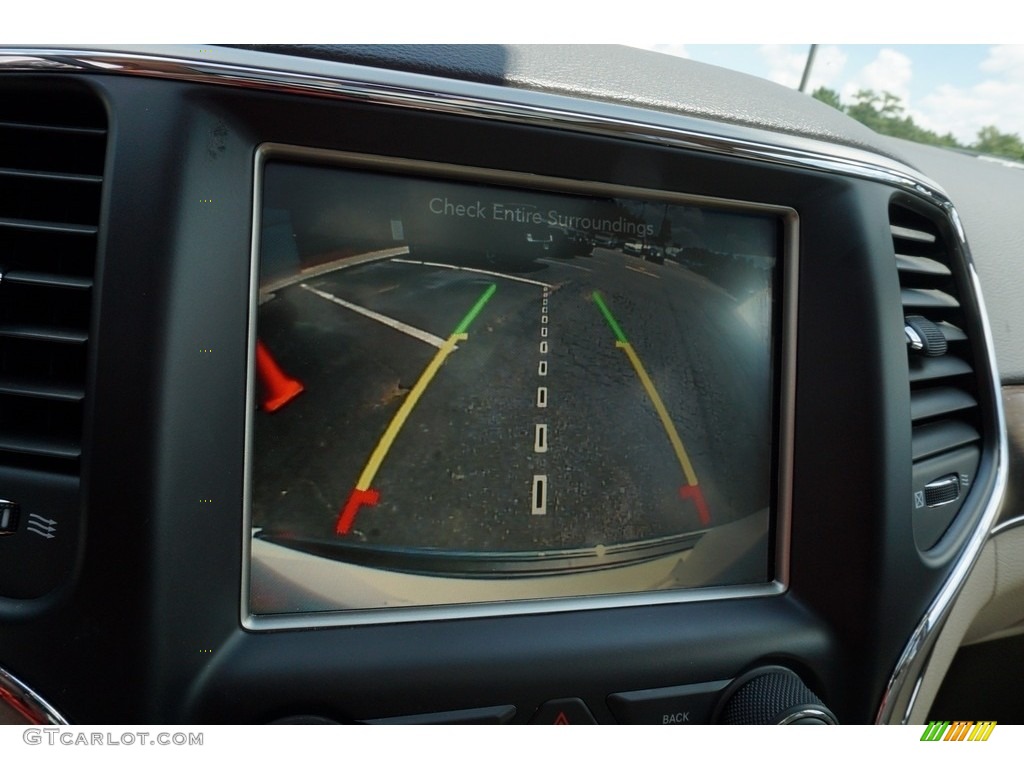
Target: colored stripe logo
<point x="958" y="730"/>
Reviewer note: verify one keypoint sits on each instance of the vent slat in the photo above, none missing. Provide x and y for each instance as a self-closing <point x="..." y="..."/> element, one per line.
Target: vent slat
<point x="17" y="173"/>
<point x="43" y="390"/>
<point x="48" y="226"/>
<point x="47" y="280"/>
<point x="908" y="233"/>
<point x="926" y="298"/>
<point x="930" y="368"/>
<point x="941" y="437"/>
<point x="50" y="128"/>
<point x="39" y="333"/>
<point x="939" y="401"/>
<point x="35" y="194"/>
<point x="920" y="266"/>
<point x="40" y="446"/>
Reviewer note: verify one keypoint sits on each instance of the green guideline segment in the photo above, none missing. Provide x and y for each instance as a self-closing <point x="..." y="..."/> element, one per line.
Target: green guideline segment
<point x="619" y="335"/>
<point x="471" y="315"/>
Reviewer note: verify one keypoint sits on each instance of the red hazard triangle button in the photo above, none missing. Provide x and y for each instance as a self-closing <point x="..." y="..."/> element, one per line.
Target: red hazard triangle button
<point x="563" y="712"/>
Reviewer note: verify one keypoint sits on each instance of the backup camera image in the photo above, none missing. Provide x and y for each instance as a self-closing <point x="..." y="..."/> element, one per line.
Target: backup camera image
<point x="471" y="391"/>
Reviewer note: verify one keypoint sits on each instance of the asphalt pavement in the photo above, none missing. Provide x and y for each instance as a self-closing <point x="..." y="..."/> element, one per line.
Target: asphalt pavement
<point x="571" y="404"/>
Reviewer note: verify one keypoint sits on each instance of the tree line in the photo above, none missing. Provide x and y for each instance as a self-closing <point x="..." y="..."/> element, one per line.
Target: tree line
<point x="886" y="114"/>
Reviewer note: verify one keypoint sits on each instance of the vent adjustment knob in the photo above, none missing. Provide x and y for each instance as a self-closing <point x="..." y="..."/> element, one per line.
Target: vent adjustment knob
<point x="924" y="336"/>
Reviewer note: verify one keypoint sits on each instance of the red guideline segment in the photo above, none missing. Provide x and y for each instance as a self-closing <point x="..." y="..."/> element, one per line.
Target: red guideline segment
<point x="355" y="500"/>
<point x="694" y="492"/>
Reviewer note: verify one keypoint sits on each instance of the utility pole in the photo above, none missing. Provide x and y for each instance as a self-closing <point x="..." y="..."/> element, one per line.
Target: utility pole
<point x="807" y="68"/>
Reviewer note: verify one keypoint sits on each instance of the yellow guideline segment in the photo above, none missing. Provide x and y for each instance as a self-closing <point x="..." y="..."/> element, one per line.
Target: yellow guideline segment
<point x="362" y="493"/>
<point x="659" y="406"/>
<point x="366" y="478"/>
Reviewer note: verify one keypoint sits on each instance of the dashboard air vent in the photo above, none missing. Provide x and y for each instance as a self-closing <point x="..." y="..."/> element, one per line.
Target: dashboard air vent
<point x="943" y="386"/>
<point x="52" y="149"/>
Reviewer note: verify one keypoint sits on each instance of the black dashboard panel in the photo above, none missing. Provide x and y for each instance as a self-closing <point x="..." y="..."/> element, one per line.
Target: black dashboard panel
<point x="156" y="583"/>
<point x="613" y="74"/>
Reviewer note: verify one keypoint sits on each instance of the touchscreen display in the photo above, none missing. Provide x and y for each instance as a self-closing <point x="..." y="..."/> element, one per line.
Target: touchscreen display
<point x="470" y="387"/>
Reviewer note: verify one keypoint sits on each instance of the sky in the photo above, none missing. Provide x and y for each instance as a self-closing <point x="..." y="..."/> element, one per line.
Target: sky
<point x="945" y="88"/>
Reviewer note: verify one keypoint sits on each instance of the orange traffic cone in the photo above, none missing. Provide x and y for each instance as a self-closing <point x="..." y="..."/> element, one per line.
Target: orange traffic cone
<point x="278" y="387"/>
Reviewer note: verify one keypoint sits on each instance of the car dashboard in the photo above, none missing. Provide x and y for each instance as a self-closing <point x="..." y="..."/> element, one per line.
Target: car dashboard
<point x="262" y="450"/>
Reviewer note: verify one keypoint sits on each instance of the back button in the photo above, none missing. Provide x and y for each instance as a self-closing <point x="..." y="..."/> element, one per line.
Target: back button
<point x="679" y="705"/>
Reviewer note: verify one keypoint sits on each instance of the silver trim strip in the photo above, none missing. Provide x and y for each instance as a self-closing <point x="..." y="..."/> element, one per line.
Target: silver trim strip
<point x="471" y="99"/>
<point x="1006" y="525"/>
<point x="477" y="100"/>
<point x="26" y="702"/>
<point x="820" y="714"/>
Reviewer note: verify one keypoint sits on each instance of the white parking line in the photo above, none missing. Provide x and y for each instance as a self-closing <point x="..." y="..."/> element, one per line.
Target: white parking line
<point x="539" y="497"/>
<point x="398" y="325"/>
<point x="472" y="269"/>
<point x="641" y="271"/>
<point x="540" y="439"/>
<point x="309" y="273"/>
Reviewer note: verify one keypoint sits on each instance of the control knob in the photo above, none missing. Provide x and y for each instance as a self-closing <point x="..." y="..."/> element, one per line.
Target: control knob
<point x="772" y="696"/>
